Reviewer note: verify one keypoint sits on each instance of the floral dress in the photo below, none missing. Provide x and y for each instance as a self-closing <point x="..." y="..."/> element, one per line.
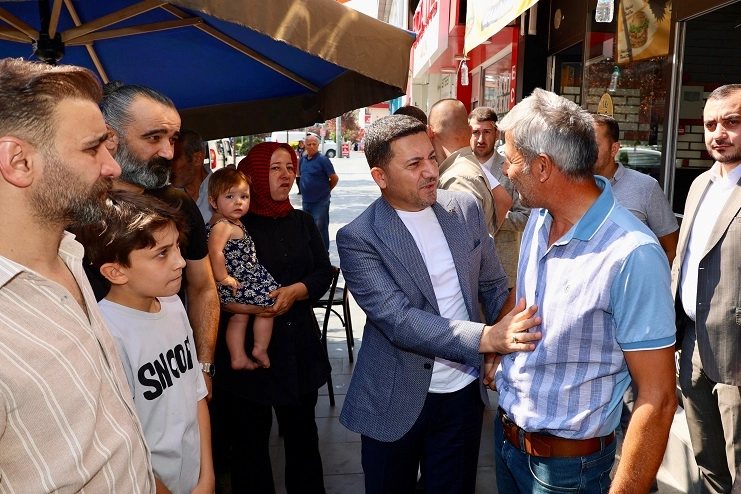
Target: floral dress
<point x="243" y="266"/>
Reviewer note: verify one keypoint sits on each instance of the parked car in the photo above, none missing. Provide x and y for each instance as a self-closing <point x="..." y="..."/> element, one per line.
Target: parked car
<point x="329" y="148"/>
<point x="641" y="158"/>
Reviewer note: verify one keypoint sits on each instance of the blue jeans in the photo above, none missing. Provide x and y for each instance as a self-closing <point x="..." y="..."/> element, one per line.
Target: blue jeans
<point x="518" y="472"/>
<point x="320" y="212"/>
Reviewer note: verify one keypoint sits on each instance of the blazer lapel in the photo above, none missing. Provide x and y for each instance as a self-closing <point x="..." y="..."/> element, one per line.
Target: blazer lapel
<point x="394" y="234"/>
<point x="729" y="211"/>
<point x="690" y="210"/>
<point x="450" y="218"/>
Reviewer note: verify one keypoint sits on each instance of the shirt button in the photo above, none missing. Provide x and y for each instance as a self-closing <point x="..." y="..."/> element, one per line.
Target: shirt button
<point x="427" y="366"/>
<point x="64" y="299"/>
<point x="288" y="323"/>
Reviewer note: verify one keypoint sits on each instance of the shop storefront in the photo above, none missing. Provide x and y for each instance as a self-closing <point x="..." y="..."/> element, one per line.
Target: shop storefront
<point x="652" y="67"/>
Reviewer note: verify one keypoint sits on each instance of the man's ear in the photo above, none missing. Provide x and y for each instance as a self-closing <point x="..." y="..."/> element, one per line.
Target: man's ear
<point x="614" y="149"/>
<point x="113" y="272"/>
<point x="542" y="167"/>
<point x="430" y="132"/>
<point x="379" y="176"/>
<point x="198" y="158"/>
<point x="111" y="143"/>
<point x="17" y="160"/>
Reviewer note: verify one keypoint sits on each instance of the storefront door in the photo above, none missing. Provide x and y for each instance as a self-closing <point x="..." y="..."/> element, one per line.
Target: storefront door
<point x="708" y="56"/>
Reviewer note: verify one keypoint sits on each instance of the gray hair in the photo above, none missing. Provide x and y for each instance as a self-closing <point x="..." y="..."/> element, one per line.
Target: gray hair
<point x="381" y="133"/>
<point x="117" y="99"/>
<point x="545" y="123"/>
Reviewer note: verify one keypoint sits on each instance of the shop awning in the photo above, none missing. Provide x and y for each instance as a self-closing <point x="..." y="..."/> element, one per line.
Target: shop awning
<point x="485" y="18"/>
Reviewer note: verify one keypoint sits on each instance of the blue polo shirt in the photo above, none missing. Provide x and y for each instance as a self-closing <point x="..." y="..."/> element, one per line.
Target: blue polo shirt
<point x="602" y="289"/>
<point x="315" y="172"/>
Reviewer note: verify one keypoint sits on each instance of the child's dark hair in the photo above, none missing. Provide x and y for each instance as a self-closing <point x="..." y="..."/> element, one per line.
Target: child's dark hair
<point x="129" y="223"/>
<point x="224" y="179"/>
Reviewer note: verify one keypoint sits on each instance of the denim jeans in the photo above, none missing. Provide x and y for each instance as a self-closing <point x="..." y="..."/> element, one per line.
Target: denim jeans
<point x="320" y="212"/>
<point x="519" y="472"/>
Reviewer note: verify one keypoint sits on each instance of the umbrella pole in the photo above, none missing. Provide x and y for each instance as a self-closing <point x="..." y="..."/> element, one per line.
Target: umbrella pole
<point x="50" y="50"/>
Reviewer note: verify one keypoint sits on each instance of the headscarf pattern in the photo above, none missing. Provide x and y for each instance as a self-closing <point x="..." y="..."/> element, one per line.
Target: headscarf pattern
<point x="257" y="165"/>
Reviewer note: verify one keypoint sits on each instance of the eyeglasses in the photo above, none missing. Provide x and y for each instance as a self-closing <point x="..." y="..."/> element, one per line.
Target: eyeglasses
<point x="500" y="150"/>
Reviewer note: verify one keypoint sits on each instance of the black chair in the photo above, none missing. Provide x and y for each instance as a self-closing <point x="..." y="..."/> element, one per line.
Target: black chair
<point x="323" y="338"/>
<point x="336" y="296"/>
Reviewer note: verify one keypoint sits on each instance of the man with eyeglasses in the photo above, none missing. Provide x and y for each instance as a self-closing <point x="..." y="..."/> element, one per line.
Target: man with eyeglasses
<point x="484" y="137"/>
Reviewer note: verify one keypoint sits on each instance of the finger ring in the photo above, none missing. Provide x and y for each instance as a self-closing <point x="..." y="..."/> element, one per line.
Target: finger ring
<point x="514" y="339"/>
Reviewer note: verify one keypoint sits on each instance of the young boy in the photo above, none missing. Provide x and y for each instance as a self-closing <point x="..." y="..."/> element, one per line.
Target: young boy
<point x="136" y="249"/>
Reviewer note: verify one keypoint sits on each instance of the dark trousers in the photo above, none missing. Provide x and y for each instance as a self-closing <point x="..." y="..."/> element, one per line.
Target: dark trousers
<point x="246" y="427"/>
<point x="713" y="412"/>
<point x="444" y="439"/>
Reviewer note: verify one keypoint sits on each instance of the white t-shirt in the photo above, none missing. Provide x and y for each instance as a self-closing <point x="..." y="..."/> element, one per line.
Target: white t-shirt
<point x="159" y="358"/>
<point x="447" y="376"/>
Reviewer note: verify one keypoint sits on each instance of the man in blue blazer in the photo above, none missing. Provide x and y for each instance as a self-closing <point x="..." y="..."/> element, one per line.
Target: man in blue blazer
<point x="419" y="261"/>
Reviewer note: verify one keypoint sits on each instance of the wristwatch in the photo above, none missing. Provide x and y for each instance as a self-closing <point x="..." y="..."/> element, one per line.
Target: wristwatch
<point x="208" y="368"/>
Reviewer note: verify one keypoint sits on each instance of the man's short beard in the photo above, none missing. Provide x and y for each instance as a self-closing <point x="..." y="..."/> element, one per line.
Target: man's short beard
<point x="726" y="158"/>
<point x="153" y="174"/>
<point x="59" y="198"/>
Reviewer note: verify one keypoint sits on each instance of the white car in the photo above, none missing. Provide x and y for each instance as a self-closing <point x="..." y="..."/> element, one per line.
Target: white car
<point x="329" y="148"/>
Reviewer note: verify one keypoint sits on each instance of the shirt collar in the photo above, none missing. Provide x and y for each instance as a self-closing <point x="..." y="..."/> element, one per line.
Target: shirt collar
<point x="69" y="250"/>
<point x="729" y="180"/>
<point x="618" y="174"/>
<point x="595" y="216"/>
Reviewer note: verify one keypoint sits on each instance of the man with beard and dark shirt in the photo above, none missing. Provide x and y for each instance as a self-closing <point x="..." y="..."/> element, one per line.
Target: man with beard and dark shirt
<point x="143" y="125"/>
<point x="67" y="420"/>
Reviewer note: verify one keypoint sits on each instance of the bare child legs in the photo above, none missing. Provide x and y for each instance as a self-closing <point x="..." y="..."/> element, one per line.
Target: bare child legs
<point x="236" y="330"/>
<point x="235" y="336"/>
<point x="263" y="331"/>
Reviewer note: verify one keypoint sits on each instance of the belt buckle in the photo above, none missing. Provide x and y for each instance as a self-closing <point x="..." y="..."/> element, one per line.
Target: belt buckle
<point x="505" y="418"/>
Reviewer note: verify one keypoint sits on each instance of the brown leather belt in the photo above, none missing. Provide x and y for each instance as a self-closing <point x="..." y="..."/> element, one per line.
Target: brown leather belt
<point x="551" y="446"/>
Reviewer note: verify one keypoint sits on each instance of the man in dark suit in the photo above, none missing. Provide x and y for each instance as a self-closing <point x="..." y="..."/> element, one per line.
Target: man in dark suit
<point x="706" y="281"/>
<point x="418" y="261"/>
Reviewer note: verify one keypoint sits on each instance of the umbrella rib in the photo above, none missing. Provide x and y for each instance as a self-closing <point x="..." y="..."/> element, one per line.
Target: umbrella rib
<point x="132" y="30"/>
<point x="109" y="19"/>
<point x="19" y="24"/>
<point x="54" y="21"/>
<point x="245" y="50"/>
<point x="10" y="34"/>
<point x="89" y="47"/>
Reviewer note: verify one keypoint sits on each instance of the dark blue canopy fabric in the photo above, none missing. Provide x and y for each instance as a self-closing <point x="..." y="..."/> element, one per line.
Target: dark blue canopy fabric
<point x="316" y="59"/>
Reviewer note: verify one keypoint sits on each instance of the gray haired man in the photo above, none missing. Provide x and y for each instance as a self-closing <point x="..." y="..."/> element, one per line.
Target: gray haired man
<point x="601" y="280"/>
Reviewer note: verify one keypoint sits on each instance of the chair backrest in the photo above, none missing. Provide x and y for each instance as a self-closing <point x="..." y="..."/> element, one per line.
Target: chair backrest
<point x="329" y="301"/>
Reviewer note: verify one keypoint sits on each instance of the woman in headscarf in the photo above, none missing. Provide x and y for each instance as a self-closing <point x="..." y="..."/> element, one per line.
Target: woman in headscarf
<point x="289" y="245"/>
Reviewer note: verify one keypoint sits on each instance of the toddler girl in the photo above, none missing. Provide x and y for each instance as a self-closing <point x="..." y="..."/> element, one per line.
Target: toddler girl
<point x="240" y="277"/>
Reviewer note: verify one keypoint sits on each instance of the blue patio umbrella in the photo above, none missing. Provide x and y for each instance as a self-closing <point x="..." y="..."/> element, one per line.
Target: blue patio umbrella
<point x="232" y="67"/>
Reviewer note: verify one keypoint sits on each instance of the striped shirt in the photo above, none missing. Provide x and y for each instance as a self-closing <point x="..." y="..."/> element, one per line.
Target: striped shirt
<point x="68" y="423"/>
<point x="602" y="289"/>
